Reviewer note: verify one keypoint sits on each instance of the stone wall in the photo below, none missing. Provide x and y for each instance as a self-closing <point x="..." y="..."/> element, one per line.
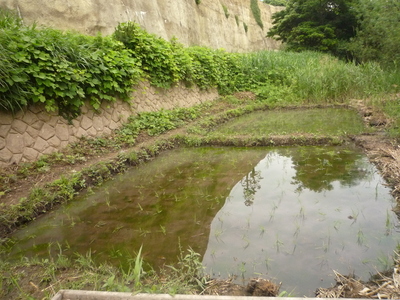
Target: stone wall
<point x="205" y="24"/>
<point x="33" y="132"/>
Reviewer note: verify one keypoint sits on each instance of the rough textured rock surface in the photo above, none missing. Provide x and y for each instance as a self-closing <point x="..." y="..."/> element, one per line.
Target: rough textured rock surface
<point x="205" y="24"/>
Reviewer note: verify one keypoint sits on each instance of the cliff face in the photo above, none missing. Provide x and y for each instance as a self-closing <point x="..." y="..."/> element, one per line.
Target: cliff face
<point x="205" y="24"/>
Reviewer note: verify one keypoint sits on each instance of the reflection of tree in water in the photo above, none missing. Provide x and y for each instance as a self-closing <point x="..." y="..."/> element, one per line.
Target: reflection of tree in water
<point x="250" y="184"/>
<point x="317" y="168"/>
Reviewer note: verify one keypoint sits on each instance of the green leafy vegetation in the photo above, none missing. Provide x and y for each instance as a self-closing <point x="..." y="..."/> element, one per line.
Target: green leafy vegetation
<point x="61" y="69"/>
<point x="359" y="30"/>
<point x="276" y="2"/>
<point x="198" y="2"/>
<point x="314" y="25"/>
<point x="157" y="56"/>
<point x="377" y="36"/>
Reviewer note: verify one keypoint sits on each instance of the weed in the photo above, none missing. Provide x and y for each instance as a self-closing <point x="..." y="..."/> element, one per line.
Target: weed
<point x="246" y="28"/>
<point x="360" y="238"/>
<point x="138" y="269"/>
<point x="191" y="268"/>
<point x="237" y="20"/>
<point x="278" y="243"/>
<point x="225" y="11"/>
<point x="163" y="230"/>
<point x="255" y="9"/>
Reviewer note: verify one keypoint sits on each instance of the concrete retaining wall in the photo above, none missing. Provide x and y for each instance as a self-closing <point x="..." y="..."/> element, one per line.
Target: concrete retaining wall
<point x="33" y="132"/>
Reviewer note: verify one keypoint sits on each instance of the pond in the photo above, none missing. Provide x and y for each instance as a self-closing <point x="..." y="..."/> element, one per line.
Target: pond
<point x="288" y="214"/>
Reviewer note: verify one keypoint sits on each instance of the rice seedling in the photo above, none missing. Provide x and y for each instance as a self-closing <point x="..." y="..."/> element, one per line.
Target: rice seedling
<point x="100" y="224"/>
<point x="118" y="228"/>
<point x="384" y="262"/>
<point x="278" y="243"/>
<point x="262" y="230"/>
<point x="360" y="238"/>
<point x="144" y="232"/>
<point x="115" y="253"/>
<point x="163" y="230"/>
<point x="388" y="223"/>
<point x="336" y="224"/>
<point x="354" y="216"/>
<point x="242" y="269"/>
<point x="267" y="262"/>
<point x="217" y="234"/>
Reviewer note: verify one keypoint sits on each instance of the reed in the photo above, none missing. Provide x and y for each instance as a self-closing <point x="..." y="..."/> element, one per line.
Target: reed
<point x="315" y="77"/>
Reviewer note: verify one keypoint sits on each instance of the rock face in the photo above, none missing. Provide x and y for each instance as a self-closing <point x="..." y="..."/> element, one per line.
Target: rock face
<point x="204" y="24"/>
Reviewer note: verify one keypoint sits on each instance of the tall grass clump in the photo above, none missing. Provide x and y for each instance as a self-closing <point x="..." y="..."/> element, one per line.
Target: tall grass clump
<point x="313" y="77"/>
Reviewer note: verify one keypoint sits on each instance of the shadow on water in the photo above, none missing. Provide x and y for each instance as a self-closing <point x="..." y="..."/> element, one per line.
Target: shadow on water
<point x="292" y="214"/>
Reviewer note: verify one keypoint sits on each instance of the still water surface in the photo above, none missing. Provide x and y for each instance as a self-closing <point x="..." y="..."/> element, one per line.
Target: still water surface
<point x="290" y="214"/>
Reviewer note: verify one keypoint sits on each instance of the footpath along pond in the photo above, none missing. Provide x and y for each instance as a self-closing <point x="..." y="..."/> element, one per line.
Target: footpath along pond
<point x="289" y="214"/>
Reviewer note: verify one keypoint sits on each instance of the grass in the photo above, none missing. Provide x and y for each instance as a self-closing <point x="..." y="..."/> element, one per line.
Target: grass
<point x="309" y="77"/>
<point x="310" y="121"/>
<point x="65" y="271"/>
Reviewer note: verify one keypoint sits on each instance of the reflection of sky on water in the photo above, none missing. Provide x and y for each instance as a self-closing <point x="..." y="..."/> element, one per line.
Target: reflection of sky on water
<point x="300" y="236"/>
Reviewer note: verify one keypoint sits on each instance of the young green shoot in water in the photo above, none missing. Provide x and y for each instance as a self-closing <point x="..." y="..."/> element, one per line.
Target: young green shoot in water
<point x="278" y="243"/>
<point x="388" y="223"/>
<point x="262" y="230"/>
<point x="360" y="238"/>
<point x="163" y="230"/>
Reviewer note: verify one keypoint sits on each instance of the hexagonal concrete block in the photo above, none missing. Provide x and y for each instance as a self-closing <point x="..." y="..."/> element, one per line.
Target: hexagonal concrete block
<point x="40" y="145"/>
<point x="15" y="143"/>
<point x="47" y="131"/>
<point x="30" y="154"/>
<point x="19" y="126"/>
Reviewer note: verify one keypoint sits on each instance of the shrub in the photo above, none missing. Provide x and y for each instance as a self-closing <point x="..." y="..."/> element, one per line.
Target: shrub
<point x="62" y="69"/>
<point x="155" y="54"/>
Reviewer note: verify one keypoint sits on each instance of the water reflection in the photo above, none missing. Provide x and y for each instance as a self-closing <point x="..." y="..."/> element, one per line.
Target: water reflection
<point x="250" y="184"/>
<point x="316" y="170"/>
<point x="293" y="214"/>
<point x="164" y="205"/>
<point x="301" y="213"/>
